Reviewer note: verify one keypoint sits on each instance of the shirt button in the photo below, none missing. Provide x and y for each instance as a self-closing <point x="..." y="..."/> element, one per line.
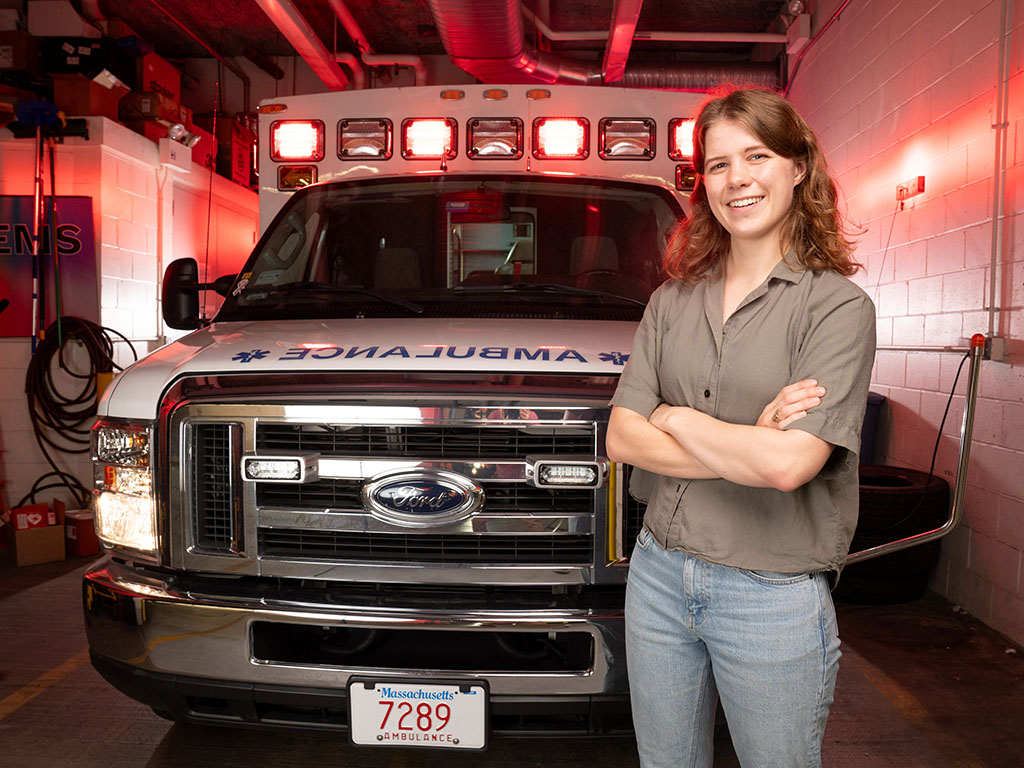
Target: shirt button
<point x="707" y="393"/>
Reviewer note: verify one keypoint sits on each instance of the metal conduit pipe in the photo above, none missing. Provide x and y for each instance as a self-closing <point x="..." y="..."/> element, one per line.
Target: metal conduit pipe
<point x="355" y="66"/>
<point x="402" y="60"/>
<point x="956" y="510"/>
<point x="625" y="15"/>
<point x="489" y="42"/>
<point x="246" y="84"/>
<point x="348" y="21"/>
<point x="305" y="41"/>
<point x="598" y="35"/>
<point x="700" y="77"/>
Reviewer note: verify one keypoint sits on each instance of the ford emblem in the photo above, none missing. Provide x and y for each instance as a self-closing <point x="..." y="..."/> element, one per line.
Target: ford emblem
<point x="422" y="497"/>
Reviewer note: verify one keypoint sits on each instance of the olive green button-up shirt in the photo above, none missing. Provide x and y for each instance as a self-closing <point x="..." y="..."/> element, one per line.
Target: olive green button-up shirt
<point x="796" y="325"/>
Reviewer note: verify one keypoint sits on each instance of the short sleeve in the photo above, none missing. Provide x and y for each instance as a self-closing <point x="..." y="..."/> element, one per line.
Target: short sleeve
<point x="838" y="350"/>
<point x="639" y="389"/>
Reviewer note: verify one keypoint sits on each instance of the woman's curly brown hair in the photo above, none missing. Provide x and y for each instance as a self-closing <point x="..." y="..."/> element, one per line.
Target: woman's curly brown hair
<point x="814" y="229"/>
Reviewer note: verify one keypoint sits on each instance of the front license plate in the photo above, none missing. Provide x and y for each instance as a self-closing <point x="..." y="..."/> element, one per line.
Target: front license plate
<point x="440" y="715"/>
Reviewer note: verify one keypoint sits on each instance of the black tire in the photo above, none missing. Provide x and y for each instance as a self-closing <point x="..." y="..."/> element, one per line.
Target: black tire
<point x="868" y="590"/>
<point x="894" y="503"/>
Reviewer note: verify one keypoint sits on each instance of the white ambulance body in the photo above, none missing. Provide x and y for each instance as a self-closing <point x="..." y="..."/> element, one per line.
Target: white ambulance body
<point x="372" y="494"/>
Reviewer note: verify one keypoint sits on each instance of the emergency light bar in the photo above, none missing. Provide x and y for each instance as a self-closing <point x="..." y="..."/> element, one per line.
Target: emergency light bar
<point x="429" y="138"/>
<point x="495" y="138"/>
<point x="680" y="138"/>
<point x="563" y="138"/>
<point x="292" y="140"/>
<point x="364" y="139"/>
<point x="625" y="139"/>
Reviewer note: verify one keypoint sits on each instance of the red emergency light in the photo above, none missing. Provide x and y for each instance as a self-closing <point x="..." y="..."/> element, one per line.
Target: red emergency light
<point x="561" y="138"/>
<point x="292" y="140"/>
<point x="428" y="138"/>
<point x="680" y="138"/>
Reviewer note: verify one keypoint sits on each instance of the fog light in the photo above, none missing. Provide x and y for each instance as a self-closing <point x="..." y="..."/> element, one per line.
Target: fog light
<point x="561" y="473"/>
<point x="281" y="469"/>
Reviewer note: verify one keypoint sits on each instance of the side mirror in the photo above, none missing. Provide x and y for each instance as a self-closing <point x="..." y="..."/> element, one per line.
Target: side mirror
<point x="180" y="294"/>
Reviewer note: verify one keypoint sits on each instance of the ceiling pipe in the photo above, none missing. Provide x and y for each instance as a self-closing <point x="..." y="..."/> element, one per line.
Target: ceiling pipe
<point x="352" y="61"/>
<point x="305" y="41"/>
<point x="246" y="84"/>
<point x="401" y="60"/>
<point x="366" y="53"/>
<point x="488" y="42"/>
<point x="625" y="15"/>
<point x="600" y="35"/>
<point x="348" y="21"/>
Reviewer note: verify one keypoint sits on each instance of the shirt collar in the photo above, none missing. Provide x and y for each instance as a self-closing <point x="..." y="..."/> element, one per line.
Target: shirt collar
<point x="785" y="269"/>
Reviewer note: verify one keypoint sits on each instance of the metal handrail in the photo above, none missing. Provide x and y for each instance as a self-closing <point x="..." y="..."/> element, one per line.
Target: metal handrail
<point x="956" y="511"/>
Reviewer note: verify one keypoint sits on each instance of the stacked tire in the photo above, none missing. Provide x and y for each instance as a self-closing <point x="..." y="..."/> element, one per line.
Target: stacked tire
<point x="894" y="503"/>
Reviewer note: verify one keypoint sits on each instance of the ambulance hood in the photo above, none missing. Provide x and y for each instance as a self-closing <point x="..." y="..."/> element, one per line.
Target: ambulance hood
<point x="461" y="345"/>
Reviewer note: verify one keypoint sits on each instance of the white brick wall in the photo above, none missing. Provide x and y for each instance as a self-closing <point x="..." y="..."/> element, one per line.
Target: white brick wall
<point x="900" y="89"/>
<point x="120" y="171"/>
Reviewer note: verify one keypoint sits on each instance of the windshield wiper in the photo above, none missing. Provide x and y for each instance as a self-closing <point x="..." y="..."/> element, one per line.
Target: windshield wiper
<point x="569" y="290"/>
<point x="324" y="291"/>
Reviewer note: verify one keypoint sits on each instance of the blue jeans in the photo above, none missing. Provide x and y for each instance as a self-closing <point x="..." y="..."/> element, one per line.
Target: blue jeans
<point x="765" y="642"/>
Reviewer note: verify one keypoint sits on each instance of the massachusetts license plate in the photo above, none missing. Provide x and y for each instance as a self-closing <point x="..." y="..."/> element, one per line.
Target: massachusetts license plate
<point x="441" y="715"/>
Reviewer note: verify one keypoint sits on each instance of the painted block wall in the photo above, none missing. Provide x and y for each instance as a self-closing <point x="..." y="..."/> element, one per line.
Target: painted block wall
<point x="897" y="90"/>
<point x="144" y="215"/>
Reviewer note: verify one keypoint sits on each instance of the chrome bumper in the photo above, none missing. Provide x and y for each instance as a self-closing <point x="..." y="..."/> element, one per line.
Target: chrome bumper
<point x="152" y="625"/>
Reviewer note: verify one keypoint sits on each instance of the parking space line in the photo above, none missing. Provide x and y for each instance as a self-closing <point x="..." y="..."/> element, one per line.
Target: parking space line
<point x="46" y="680"/>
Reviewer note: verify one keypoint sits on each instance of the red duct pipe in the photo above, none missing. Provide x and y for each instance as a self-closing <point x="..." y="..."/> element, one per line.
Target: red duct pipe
<point x="486" y="39"/>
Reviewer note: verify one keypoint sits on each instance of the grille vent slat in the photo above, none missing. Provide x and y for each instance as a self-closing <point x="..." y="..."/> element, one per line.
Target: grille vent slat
<point x="213" y="492"/>
<point x="501" y="498"/>
<point x="450" y="442"/>
<point x="566" y="549"/>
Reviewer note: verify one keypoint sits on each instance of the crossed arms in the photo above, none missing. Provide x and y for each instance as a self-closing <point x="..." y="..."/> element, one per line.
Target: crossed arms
<point x="678" y="441"/>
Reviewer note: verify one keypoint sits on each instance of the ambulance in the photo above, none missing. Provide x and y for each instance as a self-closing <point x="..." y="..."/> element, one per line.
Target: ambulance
<point x="371" y="493"/>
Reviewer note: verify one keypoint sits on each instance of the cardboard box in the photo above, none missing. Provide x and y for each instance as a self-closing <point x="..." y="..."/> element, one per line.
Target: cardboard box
<point x="32" y="516"/>
<point x="43" y="544"/>
<point x="58" y="18"/>
<point x="82" y="56"/>
<point x="80" y="533"/>
<point x="234" y="149"/>
<point x="149" y="105"/>
<point x="11" y="19"/>
<point x="19" y="51"/>
<point x="156" y="74"/>
<point x="76" y="97"/>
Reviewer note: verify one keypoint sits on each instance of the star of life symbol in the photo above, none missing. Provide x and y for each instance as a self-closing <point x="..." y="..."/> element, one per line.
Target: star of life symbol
<point x="616" y="358"/>
<point x="256" y="354"/>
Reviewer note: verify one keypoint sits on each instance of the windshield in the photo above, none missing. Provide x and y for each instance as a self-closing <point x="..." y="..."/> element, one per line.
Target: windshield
<point x="462" y="246"/>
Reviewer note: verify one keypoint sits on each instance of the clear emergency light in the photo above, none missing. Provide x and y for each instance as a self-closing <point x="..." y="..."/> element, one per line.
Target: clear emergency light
<point x="680" y="138"/>
<point x="292" y="140"/>
<point x="430" y="138"/>
<point x="494" y="138"/>
<point x="562" y="138"/>
<point x="625" y="139"/>
<point x="365" y="139"/>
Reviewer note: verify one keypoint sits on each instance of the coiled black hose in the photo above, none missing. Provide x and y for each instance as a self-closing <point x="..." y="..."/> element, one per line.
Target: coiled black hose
<point x="61" y="421"/>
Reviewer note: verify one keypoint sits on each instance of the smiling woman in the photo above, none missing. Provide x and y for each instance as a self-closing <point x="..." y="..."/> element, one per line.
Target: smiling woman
<point x="743" y="396"/>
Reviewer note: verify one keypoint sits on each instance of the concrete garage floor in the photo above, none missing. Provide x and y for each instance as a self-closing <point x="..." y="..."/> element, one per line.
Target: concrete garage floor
<point x="920" y="685"/>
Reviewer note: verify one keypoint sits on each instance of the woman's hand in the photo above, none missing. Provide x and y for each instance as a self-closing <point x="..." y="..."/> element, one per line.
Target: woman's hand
<point x="660" y="416"/>
<point x="791" y="404"/>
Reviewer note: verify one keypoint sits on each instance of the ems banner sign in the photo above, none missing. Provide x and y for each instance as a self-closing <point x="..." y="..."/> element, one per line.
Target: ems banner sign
<point x="76" y="256"/>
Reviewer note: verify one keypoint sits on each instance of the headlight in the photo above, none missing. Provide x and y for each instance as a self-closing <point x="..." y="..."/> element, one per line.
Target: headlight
<point x="125" y="507"/>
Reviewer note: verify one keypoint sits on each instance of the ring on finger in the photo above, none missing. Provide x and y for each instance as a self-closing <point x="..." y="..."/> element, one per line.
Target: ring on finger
<point x="775" y="416"/>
